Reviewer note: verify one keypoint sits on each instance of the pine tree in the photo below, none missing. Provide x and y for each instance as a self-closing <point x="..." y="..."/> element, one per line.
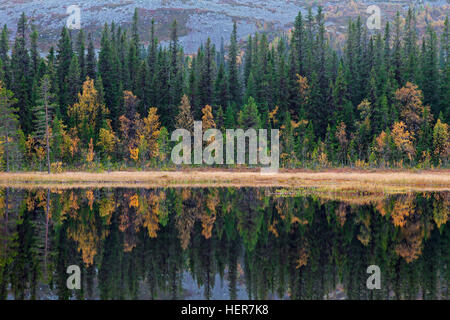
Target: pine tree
<point x="162" y="88"/>
<point x="444" y="85"/>
<point x="298" y="44"/>
<point x="221" y="88"/>
<point x="410" y="49"/>
<point x="175" y="73"/>
<point x="430" y="77"/>
<point x="34" y="54"/>
<point x="251" y="88"/>
<point x="288" y="154"/>
<point x="91" y="62"/>
<point x="8" y="123"/>
<point x="107" y="67"/>
<point x="230" y="120"/>
<point x="206" y="72"/>
<point x="73" y="78"/>
<point x="43" y="116"/>
<point x="263" y="96"/>
<point x="220" y="118"/>
<point x="133" y="66"/>
<point x="343" y="109"/>
<point x="441" y="141"/>
<point x="233" y="71"/>
<point x="4" y="49"/>
<point x="135" y="29"/>
<point x="21" y="83"/>
<point x="193" y="91"/>
<point x="248" y="59"/>
<point x="152" y="65"/>
<point x="2" y="72"/>
<point x="249" y="116"/>
<point x="80" y="50"/>
<point x="292" y="102"/>
<point x="64" y="58"/>
<point x="396" y="58"/>
<point x="309" y="46"/>
<point x="143" y="87"/>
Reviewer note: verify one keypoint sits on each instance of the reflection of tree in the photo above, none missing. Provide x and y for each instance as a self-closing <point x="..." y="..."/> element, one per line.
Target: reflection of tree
<point x="403" y="208"/>
<point x="150" y="211"/>
<point x="247" y="209"/>
<point x="83" y="229"/>
<point x="139" y="243"/>
<point x="409" y="245"/>
<point x="441" y="205"/>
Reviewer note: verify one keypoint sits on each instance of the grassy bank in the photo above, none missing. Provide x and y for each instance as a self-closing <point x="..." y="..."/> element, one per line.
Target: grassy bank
<point x="358" y="180"/>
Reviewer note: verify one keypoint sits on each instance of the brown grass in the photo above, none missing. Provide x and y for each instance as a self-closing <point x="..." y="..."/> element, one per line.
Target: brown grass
<point x="348" y="180"/>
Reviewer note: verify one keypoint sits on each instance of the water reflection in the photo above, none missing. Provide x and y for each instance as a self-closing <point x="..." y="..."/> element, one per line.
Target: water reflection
<point x="222" y="243"/>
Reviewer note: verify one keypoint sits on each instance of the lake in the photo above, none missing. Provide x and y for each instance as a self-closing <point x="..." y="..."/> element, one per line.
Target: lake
<point x="222" y="243"/>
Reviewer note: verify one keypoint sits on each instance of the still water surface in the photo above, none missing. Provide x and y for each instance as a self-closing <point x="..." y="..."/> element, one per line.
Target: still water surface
<point x="222" y="243"/>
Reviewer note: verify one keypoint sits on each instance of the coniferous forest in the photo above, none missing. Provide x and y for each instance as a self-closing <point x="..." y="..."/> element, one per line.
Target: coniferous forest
<point x="381" y="99"/>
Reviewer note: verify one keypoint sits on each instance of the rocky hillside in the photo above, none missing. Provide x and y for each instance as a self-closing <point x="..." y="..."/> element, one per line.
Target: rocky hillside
<point x="199" y="19"/>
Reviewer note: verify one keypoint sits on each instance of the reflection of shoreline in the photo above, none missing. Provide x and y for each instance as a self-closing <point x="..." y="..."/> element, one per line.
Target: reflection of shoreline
<point x="220" y="243"/>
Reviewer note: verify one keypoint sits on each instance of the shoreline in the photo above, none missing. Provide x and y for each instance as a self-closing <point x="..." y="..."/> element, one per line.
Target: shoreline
<point x="382" y="180"/>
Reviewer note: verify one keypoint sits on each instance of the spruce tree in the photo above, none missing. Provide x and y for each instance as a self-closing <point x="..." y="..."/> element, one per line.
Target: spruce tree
<point x="298" y="44"/>
<point x="64" y="58"/>
<point x="221" y="88"/>
<point x="175" y="74"/>
<point x="107" y="67"/>
<point x="43" y="116"/>
<point x="248" y="59"/>
<point x="152" y="65"/>
<point x="9" y="121"/>
<point x="34" y="54"/>
<point x="430" y="73"/>
<point x="21" y="82"/>
<point x="410" y="48"/>
<point x="444" y="85"/>
<point x="73" y="78"/>
<point x="4" y="49"/>
<point x="249" y="116"/>
<point x="80" y="50"/>
<point x="91" y="61"/>
<point x="233" y="71"/>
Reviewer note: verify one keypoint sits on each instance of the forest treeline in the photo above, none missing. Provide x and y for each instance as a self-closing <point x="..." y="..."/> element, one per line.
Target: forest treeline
<point x="380" y="101"/>
<point x="147" y="243"/>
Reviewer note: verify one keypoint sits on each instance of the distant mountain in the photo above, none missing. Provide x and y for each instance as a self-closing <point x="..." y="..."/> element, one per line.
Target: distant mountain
<point x="200" y="19"/>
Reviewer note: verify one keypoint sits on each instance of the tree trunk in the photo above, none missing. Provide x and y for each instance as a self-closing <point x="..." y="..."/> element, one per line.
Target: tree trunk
<point x="47" y="133"/>
<point x="7" y="151"/>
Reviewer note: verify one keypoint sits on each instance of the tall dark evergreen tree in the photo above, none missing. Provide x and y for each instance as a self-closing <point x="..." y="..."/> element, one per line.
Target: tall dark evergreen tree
<point x="410" y="48"/>
<point x="21" y="81"/>
<point x="430" y="72"/>
<point x="74" y="79"/>
<point x="221" y="88"/>
<point x="4" y="49"/>
<point x="64" y="58"/>
<point x="81" y="54"/>
<point x="34" y="54"/>
<point x="107" y="68"/>
<point x="206" y="88"/>
<point x="152" y="64"/>
<point x="91" y="61"/>
<point x="175" y="74"/>
<point x="233" y="70"/>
